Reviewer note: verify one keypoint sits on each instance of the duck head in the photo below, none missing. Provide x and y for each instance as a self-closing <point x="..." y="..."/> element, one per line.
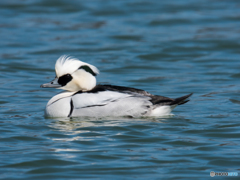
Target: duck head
<point x="73" y="75"/>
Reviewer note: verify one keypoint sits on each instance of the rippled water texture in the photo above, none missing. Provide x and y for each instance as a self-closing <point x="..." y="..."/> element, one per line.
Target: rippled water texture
<point x="170" y="48"/>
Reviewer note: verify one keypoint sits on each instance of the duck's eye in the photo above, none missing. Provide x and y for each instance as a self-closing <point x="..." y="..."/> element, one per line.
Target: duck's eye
<point x="63" y="80"/>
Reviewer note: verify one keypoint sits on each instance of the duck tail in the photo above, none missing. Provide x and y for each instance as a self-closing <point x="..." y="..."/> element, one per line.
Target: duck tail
<point x="181" y="100"/>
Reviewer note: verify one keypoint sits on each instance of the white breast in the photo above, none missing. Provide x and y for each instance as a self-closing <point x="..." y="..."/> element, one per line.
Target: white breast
<point x="59" y="105"/>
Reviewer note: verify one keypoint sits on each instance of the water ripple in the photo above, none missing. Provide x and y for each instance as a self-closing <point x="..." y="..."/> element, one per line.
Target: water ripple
<point x="166" y="48"/>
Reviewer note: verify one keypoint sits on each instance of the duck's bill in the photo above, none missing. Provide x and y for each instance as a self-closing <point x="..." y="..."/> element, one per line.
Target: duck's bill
<point x="52" y="84"/>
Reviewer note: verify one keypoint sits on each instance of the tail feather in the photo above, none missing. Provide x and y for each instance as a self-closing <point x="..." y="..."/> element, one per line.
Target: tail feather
<point x="181" y="100"/>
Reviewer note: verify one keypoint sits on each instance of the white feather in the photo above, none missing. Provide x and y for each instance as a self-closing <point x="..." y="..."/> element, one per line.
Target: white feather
<point x="161" y="111"/>
<point x="105" y="103"/>
<point x="100" y="98"/>
<point x="82" y="80"/>
<point x="68" y="65"/>
<point x="59" y="105"/>
<point x="110" y="103"/>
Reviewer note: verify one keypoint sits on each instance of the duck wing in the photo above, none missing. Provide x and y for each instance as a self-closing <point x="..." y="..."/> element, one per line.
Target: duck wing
<point x="119" y="89"/>
<point x="155" y="99"/>
<point x="109" y="101"/>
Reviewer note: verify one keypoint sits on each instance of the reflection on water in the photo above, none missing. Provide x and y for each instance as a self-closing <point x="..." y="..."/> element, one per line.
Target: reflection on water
<point x="75" y="123"/>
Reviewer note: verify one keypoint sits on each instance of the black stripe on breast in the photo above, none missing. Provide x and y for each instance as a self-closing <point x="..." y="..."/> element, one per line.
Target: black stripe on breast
<point x="56" y="101"/>
<point x="71" y="110"/>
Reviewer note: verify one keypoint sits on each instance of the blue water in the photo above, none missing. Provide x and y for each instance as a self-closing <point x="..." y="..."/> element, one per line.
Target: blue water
<point x="167" y="48"/>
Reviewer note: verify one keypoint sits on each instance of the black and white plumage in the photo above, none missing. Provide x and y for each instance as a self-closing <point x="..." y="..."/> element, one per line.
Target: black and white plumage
<point x="84" y="98"/>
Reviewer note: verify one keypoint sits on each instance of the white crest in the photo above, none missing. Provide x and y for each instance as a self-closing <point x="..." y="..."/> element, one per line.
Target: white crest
<point x="68" y="65"/>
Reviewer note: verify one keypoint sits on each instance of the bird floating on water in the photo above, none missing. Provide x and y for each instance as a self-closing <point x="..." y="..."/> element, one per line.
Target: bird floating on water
<point x="83" y="97"/>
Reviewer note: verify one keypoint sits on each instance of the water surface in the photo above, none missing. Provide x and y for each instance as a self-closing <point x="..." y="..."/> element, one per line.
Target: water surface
<point x="167" y="48"/>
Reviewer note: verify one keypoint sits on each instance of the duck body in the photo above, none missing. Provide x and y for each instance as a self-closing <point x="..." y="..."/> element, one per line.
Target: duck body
<point x="82" y="97"/>
<point x="109" y="100"/>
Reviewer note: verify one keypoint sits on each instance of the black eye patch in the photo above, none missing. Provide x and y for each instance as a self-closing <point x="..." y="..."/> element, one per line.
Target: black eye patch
<point x="87" y="69"/>
<point x="63" y="80"/>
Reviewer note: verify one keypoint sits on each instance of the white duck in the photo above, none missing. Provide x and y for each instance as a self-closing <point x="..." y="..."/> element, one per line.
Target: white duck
<point x="84" y="98"/>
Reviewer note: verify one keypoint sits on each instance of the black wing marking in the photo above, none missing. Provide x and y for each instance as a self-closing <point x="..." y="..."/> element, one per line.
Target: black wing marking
<point x="181" y="100"/>
<point x="160" y="100"/>
<point x="119" y="89"/>
<point x="155" y="99"/>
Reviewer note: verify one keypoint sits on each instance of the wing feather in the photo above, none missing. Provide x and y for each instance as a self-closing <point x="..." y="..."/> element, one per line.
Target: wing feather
<point x="109" y="103"/>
